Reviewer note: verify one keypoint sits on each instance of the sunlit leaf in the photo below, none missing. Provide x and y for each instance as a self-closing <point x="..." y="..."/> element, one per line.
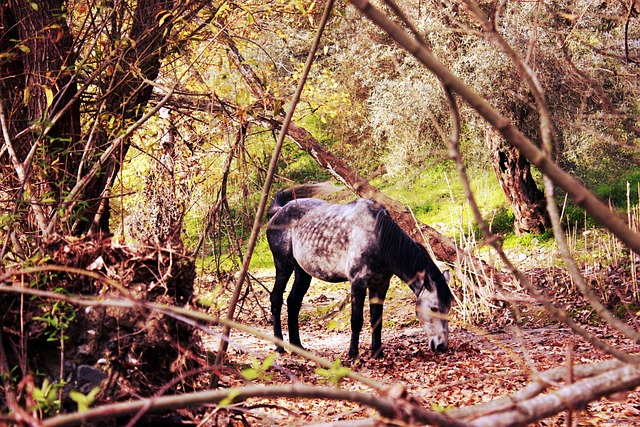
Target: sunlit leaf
<point x="229" y="399"/>
<point x="49" y="94"/>
<point x="223" y="8"/>
<point x="26" y="95"/>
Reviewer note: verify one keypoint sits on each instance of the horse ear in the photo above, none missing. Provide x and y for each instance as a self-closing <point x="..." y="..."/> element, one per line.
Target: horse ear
<point x="418" y="282"/>
<point x="447" y="276"/>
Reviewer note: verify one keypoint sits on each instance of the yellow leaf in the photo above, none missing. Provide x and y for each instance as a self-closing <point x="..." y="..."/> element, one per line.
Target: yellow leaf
<point x="164" y="17"/>
<point x="49" y="94"/>
<point x="223" y="8"/>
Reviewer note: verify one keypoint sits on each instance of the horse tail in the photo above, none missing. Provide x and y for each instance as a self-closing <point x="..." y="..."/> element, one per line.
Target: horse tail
<point x="301" y="191"/>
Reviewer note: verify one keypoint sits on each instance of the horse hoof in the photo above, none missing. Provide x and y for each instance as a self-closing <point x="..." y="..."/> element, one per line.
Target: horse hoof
<point x="379" y="354"/>
<point x="298" y="344"/>
<point x="280" y="350"/>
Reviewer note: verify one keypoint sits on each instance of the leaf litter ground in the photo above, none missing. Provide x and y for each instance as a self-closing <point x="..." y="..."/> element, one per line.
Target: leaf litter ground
<point x="483" y="362"/>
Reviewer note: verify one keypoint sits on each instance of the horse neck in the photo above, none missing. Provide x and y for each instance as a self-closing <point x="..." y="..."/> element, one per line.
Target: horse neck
<point x="404" y="256"/>
<point x="402" y="267"/>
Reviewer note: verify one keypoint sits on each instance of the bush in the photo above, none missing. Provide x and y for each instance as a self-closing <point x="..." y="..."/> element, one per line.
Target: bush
<point x="615" y="190"/>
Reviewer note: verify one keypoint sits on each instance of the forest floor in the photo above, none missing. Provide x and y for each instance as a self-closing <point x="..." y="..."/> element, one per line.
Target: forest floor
<point x="485" y="361"/>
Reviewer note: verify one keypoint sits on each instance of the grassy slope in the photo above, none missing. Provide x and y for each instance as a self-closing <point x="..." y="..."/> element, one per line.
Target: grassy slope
<point x="435" y="196"/>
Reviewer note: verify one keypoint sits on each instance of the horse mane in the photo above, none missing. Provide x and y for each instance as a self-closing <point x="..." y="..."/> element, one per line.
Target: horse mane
<point x="406" y="255"/>
<point x="301" y="191"/>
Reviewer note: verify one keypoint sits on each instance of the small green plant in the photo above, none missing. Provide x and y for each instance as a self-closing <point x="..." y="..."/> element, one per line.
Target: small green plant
<point x="211" y="299"/>
<point x="625" y="310"/>
<point x="57" y="318"/>
<point x="258" y="369"/>
<point x="228" y="401"/>
<point x="437" y="407"/>
<point x="84" y="401"/>
<point x="46" y="397"/>
<point x="618" y="189"/>
<point x="11" y="377"/>
<point x="335" y="373"/>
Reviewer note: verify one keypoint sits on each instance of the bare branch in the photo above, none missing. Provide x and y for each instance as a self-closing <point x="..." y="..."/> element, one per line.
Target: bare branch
<point x="516" y="138"/>
<point x="539" y="385"/>
<point x="547" y="133"/>
<point x="571" y="396"/>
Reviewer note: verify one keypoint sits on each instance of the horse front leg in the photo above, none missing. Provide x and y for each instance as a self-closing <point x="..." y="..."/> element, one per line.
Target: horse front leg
<point x="294" y="303"/>
<point x="283" y="272"/>
<point x="376" y="303"/>
<point x="358" y="293"/>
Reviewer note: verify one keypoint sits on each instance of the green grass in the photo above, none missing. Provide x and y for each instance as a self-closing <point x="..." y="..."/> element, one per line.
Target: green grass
<point x="616" y="188"/>
<point x="261" y="255"/>
<point x="436" y="197"/>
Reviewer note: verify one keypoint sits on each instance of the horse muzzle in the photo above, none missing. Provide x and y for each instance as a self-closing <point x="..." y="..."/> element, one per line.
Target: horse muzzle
<point x="437" y="345"/>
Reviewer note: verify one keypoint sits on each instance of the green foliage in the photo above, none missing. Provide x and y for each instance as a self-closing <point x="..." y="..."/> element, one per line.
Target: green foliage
<point x="437" y="198"/>
<point x="575" y="217"/>
<point x="436" y="407"/>
<point x="57" y="317"/>
<point x="299" y="166"/>
<point x="46" y="397"/>
<point x="84" y="401"/>
<point x="258" y="369"/>
<point x="620" y="189"/>
<point x="227" y="401"/>
<point x="211" y="298"/>
<point x="262" y="257"/>
<point x="335" y="373"/>
<point x="501" y="221"/>
<point x="624" y="311"/>
<point x="528" y="240"/>
<point x="617" y="187"/>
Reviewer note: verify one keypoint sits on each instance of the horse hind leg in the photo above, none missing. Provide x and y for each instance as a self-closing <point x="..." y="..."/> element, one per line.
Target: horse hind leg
<point x="294" y="303"/>
<point x="283" y="272"/>
<point x="358" y="293"/>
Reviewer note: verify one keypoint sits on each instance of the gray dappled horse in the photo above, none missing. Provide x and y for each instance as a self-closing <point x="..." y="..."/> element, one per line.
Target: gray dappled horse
<point x="356" y="242"/>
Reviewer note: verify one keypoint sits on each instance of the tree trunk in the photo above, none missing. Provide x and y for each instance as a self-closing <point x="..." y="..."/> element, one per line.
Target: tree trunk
<point x="513" y="171"/>
<point x="37" y="85"/>
<point x="127" y="94"/>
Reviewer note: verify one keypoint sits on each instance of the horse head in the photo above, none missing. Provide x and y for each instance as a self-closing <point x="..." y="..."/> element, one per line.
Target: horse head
<point x="432" y="308"/>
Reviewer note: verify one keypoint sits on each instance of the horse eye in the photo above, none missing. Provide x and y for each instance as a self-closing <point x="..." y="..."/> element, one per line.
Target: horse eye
<point x="434" y="309"/>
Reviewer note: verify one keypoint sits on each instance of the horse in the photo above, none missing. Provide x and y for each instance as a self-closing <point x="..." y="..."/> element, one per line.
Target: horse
<point x="357" y="242"/>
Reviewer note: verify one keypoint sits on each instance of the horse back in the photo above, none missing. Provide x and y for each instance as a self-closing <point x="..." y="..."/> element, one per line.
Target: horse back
<point x="336" y="242"/>
<point x="282" y="222"/>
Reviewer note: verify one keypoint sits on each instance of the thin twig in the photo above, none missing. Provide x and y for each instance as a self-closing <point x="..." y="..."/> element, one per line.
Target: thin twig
<point x="266" y="187"/>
